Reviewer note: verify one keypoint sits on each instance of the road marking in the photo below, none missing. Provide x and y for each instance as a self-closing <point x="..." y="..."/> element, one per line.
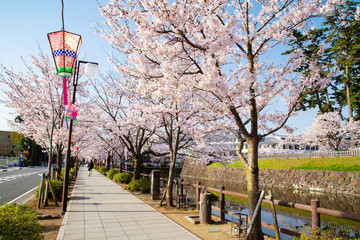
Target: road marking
<point x="13" y="177"/>
<point x="22" y="195"/>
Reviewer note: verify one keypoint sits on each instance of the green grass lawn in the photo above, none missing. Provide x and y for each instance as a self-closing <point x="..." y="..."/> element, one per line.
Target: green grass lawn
<point x="348" y="164"/>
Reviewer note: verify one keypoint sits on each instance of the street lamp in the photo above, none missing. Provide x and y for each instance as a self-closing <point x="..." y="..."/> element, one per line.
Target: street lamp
<point x="91" y="70"/>
<point x="65" y="48"/>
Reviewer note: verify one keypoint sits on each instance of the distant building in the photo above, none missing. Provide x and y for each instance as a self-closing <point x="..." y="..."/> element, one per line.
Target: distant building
<point x="268" y="143"/>
<point x="6" y="143"/>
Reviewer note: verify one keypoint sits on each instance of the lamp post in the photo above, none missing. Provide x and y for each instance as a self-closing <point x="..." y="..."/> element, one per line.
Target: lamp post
<point x="90" y="72"/>
<point x="65" y="48"/>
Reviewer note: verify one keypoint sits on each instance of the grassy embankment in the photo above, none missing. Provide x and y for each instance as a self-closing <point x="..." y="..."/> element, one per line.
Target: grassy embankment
<point x="347" y="164"/>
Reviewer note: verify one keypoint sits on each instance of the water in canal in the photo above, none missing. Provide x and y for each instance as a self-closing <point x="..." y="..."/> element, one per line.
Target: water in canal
<point x="287" y="219"/>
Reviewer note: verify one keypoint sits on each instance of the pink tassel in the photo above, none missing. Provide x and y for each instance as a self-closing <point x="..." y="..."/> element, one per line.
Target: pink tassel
<point x="65" y="91"/>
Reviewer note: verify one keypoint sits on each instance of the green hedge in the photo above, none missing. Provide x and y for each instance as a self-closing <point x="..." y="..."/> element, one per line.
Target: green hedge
<point x="142" y="184"/>
<point x="112" y="172"/>
<point x="102" y="170"/>
<point x="73" y="171"/>
<point x="62" y="175"/>
<point x="18" y="222"/>
<point x="122" y="177"/>
<point x="163" y="165"/>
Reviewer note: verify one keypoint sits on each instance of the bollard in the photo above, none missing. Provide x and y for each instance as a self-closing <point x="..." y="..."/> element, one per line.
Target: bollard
<point x="155" y="185"/>
<point x="222" y="204"/>
<point x="315" y="216"/>
<point x="205" y="208"/>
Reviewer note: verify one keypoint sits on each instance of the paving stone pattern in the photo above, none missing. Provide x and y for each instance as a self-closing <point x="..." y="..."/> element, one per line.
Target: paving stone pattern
<point x="101" y="209"/>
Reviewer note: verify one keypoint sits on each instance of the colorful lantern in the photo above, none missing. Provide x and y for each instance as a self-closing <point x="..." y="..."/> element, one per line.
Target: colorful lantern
<point x="65" y="47"/>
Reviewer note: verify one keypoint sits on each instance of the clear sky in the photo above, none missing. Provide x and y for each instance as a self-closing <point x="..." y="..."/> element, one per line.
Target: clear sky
<point x="24" y="25"/>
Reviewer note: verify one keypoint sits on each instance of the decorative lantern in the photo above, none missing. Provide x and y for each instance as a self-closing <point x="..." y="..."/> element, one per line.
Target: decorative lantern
<point x="65" y="47"/>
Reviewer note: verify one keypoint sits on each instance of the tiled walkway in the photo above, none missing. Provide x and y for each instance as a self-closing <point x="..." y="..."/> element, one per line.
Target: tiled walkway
<point x="101" y="209"/>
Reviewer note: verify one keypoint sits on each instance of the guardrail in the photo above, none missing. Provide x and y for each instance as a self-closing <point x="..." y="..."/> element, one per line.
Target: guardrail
<point x="314" y="208"/>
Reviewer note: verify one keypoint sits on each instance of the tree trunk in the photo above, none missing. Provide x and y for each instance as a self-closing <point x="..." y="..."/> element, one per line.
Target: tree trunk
<point x="121" y="166"/>
<point x="348" y="96"/>
<point x="252" y="176"/>
<point x="108" y="161"/>
<point x="58" y="164"/>
<point x="169" y="187"/>
<point x="136" y="162"/>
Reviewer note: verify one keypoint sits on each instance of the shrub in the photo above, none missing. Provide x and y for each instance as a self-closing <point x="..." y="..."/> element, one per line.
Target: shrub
<point x="102" y="170"/>
<point x="321" y="235"/>
<point x="72" y="171"/>
<point x="163" y="165"/>
<point x="96" y="167"/>
<point x="122" y="177"/>
<point x="62" y="175"/>
<point x="18" y="222"/>
<point x="147" y="165"/>
<point x="112" y="172"/>
<point x="57" y="186"/>
<point x="142" y="184"/>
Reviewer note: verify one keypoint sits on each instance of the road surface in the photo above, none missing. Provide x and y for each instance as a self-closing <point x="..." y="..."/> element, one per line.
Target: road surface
<point x="17" y="184"/>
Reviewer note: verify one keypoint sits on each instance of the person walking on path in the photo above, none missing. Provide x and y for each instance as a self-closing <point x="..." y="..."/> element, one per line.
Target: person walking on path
<point x="90" y="166"/>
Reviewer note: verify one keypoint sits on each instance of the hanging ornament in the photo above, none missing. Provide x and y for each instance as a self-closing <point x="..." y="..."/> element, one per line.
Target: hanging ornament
<point x="70" y="112"/>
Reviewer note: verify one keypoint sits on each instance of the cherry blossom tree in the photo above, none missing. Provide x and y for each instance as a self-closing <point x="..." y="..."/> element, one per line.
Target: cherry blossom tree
<point x="36" y="97"/>
<point x="331" y="132"/>
<point x="231" y="51"/>
<point x="177" y="120"/>
<point x="119" y="120"/>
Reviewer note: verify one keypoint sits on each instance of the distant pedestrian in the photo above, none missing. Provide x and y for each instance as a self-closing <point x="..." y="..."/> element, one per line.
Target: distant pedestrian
<point x="90" y="166"/>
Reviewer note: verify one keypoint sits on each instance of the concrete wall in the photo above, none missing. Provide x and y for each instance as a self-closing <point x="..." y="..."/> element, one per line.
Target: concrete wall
<point x="307" y="180"/>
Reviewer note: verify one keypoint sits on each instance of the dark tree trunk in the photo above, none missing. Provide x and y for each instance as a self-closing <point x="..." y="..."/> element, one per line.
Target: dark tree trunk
<point x="169" y="188"/>
<point x="252" y="176"/>
<point x="137" y="163"/>
<point x="58" y="163"/>
<point x="108" y="161"/>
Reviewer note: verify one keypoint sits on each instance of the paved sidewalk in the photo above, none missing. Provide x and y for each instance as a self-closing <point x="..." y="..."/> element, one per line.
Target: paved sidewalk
<point x="101" y="209"/>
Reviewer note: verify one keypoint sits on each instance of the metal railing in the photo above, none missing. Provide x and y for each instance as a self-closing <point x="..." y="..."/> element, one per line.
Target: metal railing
<point x="5" y="161"/>
<point x="314" y="154"/>
<point x="314" y="208"/>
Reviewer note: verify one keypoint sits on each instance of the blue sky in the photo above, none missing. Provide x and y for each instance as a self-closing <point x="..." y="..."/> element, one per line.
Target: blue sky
<point x="24" y="26"/>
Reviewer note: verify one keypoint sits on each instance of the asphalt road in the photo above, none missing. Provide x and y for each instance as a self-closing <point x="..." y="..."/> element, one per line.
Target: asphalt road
<point x="17" y="184"/>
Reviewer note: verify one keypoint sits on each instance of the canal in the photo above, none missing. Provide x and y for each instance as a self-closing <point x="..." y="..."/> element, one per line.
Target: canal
<point x="292" y="219"/>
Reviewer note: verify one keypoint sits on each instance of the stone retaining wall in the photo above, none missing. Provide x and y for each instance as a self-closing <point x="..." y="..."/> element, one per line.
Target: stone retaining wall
<point x="307" y="180"/>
